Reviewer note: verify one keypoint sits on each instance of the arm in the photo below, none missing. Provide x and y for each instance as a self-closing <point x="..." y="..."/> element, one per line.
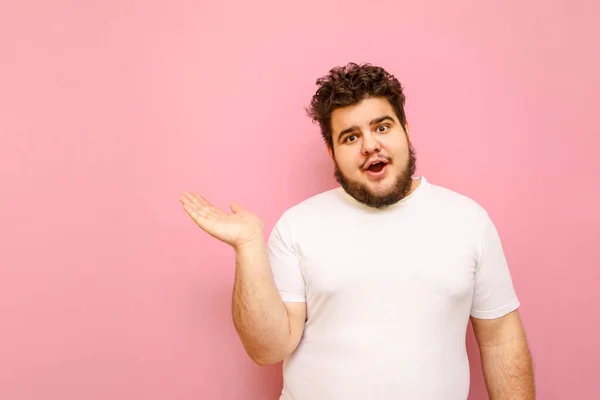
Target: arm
<point x="269" y="328"/>
<point x="505" y="357"/>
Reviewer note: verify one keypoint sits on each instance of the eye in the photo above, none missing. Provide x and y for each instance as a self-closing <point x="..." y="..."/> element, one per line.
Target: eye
<point x="382" y="128"/>
<point x="348" y="139"/>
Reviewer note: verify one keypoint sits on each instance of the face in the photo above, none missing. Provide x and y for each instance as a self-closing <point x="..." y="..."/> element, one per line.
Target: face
<point x="374" y="159"/>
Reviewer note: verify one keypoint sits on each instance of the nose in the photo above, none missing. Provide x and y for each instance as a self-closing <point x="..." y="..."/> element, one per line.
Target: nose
<point x="370" y="145"/>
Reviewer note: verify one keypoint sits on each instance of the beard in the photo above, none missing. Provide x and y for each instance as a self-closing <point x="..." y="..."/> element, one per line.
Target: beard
<point x="399" y="190"/>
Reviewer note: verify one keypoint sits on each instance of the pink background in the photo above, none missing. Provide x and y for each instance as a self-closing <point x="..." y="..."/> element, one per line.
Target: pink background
<point x="108" y="110"/>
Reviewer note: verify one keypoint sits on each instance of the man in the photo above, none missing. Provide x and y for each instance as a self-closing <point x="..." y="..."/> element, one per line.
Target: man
<point x="366" y="290"/>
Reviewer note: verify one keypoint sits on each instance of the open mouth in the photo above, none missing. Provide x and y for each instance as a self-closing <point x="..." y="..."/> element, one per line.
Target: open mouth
<point x="376" y="167"/>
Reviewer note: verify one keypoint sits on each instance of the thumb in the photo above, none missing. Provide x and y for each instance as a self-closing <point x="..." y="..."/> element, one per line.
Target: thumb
<point x="236" y="208"/>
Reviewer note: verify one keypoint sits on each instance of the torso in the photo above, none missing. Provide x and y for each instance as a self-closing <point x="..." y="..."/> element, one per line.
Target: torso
<point x="388" y="302"/>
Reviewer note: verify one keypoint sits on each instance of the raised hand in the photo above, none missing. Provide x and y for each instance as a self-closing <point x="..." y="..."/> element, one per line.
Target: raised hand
<point x="235" y="229"/>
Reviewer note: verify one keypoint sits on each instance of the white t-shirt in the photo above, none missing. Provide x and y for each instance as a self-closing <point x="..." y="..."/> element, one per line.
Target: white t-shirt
<point x="388" y="293"/>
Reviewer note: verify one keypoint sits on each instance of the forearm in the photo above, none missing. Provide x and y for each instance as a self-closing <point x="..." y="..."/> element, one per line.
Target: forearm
<point x="508" y="371"/>
<point x="259" y="314"/>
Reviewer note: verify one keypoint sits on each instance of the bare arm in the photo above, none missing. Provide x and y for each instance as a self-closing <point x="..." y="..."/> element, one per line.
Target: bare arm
<point x="505" y="357"/>
<point x="269" y="329"/>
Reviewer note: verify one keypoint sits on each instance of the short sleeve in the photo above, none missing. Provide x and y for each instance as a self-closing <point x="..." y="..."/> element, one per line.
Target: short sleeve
<point x="285" y="264"/>
<point x="494" y="294"/>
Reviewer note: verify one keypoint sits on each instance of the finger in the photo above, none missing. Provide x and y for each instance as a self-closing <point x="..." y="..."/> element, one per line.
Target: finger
<point x="198" y="215"/>
<point x="201" y="200"/>
<point x="203" y="203"/>
<point x="204" y="209"/>
<point x="198" y="200"/>
<point x="202" y="206"/>
<point x="215" y="212"/>
<point x="191" y="211"/>
<point x="188" y="198"/>
<point x="236" y="208"/>
<point x="193" y="201"/>
<point x="183" y="197"/>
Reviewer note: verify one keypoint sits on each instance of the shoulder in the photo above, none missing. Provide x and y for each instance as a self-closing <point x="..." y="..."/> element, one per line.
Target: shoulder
<point x="456" y="214"/>
<point x="452" y="202"/>
<point x="453" y="212"/>
<point x="306" y="212"/>
<point x="313" y="206"/>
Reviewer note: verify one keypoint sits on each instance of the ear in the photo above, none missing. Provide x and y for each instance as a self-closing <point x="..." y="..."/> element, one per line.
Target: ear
<point x="330" y="152"/>
<point x="407" y="129"/>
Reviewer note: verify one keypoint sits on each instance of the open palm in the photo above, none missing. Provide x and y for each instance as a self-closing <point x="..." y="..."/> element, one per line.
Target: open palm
<point x="235" y="229"/>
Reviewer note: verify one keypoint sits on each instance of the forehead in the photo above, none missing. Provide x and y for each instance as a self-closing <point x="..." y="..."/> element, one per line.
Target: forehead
<point x="360" y="114"/>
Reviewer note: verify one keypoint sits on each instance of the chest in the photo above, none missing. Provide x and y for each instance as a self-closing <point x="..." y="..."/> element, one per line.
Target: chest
<point x="418" y="262"/>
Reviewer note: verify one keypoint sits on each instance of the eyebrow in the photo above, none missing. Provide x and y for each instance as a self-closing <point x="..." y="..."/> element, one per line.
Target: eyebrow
<point x="373" y="122"/>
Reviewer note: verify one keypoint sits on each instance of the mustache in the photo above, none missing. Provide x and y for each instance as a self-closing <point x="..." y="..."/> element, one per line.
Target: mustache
<point x="379" y="157"/>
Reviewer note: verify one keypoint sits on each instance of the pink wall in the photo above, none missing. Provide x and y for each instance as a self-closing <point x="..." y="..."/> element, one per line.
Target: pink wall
<point x="108" y="111"/>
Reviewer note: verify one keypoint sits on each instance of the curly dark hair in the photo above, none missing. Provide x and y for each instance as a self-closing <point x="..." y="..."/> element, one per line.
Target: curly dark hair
<point x="348" y="85"/>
